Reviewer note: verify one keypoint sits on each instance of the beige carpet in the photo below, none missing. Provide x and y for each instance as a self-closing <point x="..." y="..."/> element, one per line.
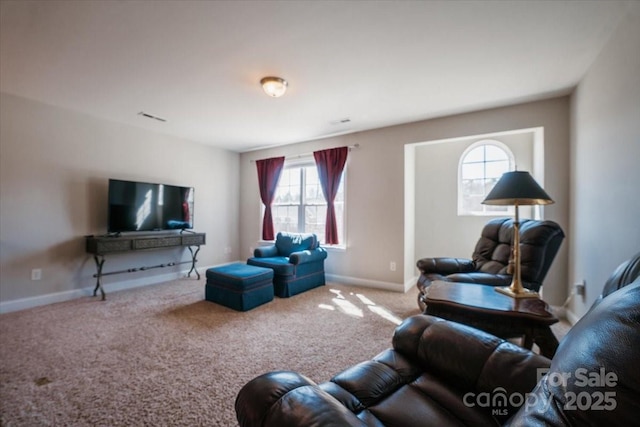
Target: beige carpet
<point x="162" y="356"/>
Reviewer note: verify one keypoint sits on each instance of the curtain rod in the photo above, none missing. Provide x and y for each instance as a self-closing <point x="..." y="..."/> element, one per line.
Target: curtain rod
<point x="297" y="156"/>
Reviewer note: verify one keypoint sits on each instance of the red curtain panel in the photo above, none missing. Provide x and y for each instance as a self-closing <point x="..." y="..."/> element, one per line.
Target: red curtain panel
<point x="269" y="171"/>
<point x="330" y="164"/>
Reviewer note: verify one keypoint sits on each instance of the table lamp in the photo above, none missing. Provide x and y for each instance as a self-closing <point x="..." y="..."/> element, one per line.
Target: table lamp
<point x="515" y="189"/>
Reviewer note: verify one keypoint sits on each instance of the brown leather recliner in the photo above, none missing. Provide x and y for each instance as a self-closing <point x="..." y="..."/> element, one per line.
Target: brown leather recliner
<point x="594" y="378"/>
<point x="489" y="264"/>
<point x="441" y="373"/>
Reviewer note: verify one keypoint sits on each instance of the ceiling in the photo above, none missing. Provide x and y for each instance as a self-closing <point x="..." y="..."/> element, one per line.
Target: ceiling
<point x="197" y="64"/>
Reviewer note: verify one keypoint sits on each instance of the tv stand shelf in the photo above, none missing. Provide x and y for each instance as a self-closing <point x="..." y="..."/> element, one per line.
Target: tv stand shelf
<point x="100" y="246"/>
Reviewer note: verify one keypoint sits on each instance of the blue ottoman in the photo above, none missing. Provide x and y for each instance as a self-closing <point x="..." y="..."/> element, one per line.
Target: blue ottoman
<point x="239" y="286"/>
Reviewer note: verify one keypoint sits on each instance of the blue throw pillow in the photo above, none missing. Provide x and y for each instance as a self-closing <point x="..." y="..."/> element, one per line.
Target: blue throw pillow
<point x="288" y="243"/>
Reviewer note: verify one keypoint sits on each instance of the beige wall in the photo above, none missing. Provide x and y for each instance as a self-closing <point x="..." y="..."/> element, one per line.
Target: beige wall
<point x="54" y="167"/>
<point x="55" y="164"/>
<point x="376" y="188"/>
<point x="605" y="147"/>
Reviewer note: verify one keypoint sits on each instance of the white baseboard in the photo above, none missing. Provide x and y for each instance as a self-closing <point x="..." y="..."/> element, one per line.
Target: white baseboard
<point x="367" y="283"/>
<point x="558" y="311"/>
<point x="411" y="283"/>
<point x="36" y="301"/>
<point x="572" y="317"/>
<point x="565" y="314"/>
<point x="31" y="302"/>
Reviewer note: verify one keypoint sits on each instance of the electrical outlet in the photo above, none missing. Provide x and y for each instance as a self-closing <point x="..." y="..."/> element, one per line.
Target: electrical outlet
<point x="580" y="288"/>
<point x="392" y="266"/>
<point x="36" y="274"/>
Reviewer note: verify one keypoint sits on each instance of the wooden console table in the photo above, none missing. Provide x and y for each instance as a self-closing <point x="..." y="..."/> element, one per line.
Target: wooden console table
<point x="482" y="307"/>
<point x="100" y="246"/>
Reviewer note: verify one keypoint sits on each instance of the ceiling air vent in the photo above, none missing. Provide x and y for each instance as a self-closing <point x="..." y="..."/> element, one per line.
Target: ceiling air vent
<point x="151" y="116"/>
<point x="340" y="121"/>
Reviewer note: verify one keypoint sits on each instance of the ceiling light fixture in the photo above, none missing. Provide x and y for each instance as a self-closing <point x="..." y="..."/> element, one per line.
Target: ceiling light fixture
<point x="274" y="86"/>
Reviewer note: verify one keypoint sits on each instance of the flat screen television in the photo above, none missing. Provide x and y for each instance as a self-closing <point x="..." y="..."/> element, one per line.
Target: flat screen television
<point x="142" y="206"/>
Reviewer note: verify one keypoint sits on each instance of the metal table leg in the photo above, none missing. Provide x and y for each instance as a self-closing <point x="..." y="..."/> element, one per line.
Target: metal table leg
<point x="99" y="263"/>
<point x="193" y="261"/>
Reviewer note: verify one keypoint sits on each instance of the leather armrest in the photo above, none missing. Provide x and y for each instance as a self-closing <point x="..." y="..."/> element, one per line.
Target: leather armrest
<point x="606" y="365"/>
<point x="265" y="251"/>
<point x="307" y="256"/>
<point x="445" y="266"/>
<point x="468" y="358"/>
<point x="289" y="399"/>
<point x="487" y="279"/>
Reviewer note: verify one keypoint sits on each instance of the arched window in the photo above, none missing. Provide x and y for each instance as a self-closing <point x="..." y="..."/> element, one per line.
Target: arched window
<point x="481" y="166"/>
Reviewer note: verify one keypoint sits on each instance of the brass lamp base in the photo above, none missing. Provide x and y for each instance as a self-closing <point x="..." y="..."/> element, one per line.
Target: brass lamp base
<point x="517" y="293"/>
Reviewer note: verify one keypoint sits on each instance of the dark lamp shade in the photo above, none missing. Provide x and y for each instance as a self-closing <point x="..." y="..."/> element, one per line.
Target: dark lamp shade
<point x="517" y="188"/>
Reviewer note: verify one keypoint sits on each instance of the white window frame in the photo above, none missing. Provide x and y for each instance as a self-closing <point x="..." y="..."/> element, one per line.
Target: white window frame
<point x="310" y="162"/>
<point x="485" y="210"/>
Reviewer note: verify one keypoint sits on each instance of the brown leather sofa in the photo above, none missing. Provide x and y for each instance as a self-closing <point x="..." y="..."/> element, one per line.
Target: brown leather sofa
<point x="441" y="373"/>
<point x="489" y="263"/>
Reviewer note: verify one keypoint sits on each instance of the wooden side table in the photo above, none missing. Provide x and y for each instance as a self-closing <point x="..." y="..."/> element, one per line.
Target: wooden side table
<point x="482" y="307"/>
<point x="100" y="246"/>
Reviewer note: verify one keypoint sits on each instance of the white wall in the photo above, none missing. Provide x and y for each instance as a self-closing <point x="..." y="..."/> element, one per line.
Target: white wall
<point x="54" y="167"/>
<point x="447" y="234"/>
<point x="605" y="148"/>
<point x="376" y="188"/>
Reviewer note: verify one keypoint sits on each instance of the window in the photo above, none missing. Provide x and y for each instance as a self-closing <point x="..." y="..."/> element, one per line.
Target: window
<point x="299" y="205"/>
<point x="480" y="168"/>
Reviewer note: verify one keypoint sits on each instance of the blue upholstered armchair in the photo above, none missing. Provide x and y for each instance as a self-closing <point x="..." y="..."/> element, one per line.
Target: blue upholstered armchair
<point x="297" y="261"/>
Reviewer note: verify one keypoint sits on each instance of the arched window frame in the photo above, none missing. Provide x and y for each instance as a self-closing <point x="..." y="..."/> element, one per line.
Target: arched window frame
<point x="483" y="210"/>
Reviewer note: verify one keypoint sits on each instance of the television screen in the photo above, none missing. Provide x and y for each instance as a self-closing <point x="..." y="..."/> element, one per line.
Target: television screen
<point x="141" y="206"/>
